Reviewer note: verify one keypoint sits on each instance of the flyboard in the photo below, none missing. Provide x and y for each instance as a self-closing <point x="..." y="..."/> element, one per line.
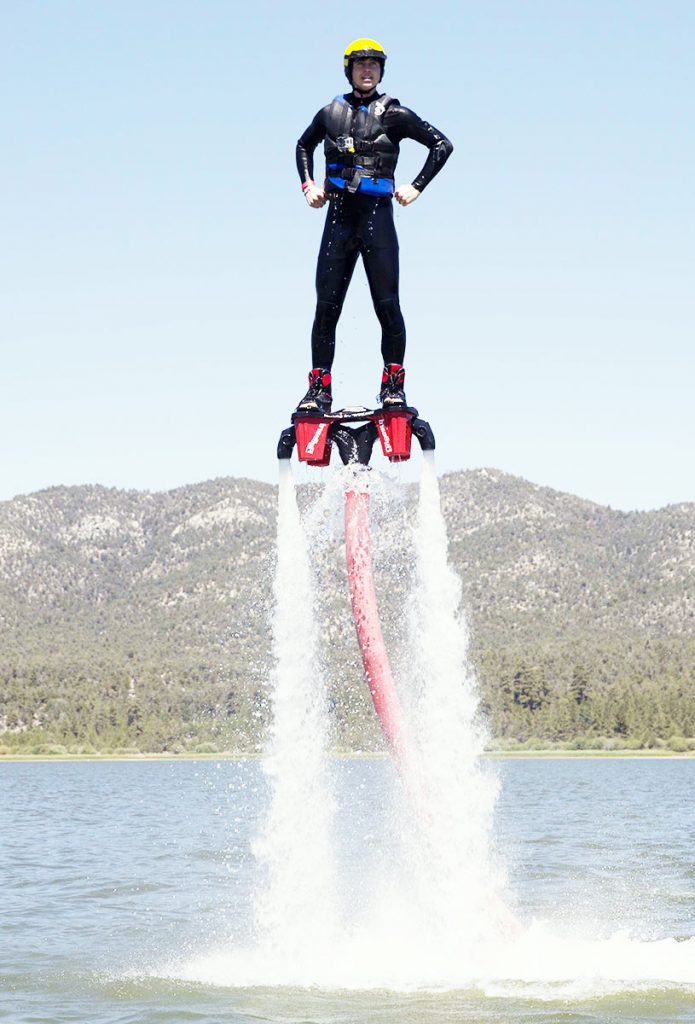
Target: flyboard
<point x="353" y="431"/>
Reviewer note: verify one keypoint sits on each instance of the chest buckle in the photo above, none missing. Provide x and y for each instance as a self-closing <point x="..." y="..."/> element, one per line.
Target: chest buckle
<point x="345" y="144"/>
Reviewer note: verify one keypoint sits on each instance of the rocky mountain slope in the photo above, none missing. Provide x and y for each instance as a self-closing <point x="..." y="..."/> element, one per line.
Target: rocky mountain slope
<point x="178" y="584"/>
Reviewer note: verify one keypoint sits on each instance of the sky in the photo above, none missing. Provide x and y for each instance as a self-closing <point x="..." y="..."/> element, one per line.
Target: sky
<point x="157" y="259"/>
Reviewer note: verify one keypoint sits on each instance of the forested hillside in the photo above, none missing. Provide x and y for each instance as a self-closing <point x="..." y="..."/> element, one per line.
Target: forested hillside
<point x="138" y="620"/>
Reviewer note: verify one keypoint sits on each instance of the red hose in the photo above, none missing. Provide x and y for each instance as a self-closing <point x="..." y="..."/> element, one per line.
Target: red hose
<point x="365" y="610"/>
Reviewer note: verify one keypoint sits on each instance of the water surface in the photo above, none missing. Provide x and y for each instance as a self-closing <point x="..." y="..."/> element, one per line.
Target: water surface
<point x="127" y="894"/>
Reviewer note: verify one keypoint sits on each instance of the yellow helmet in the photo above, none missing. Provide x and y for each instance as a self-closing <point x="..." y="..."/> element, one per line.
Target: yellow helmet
<point x="363" y="48"/>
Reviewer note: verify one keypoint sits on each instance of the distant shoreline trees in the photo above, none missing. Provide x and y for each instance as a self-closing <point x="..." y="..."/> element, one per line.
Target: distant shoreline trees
<point x="569" y="696"/>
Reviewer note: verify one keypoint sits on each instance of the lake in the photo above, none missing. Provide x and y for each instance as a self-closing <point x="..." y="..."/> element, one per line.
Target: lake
<point x="129" y="896"/>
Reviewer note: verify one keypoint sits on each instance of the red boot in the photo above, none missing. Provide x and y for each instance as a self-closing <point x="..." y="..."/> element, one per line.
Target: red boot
<point x="392" y="394"/>
<point x="319" y="397"/>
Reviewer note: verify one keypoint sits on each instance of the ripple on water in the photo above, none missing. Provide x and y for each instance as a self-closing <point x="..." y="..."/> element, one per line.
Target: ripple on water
<point x="91" y="907"/>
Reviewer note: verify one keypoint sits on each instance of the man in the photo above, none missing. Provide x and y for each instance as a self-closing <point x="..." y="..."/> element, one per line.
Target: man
<point x="362" y="132"/>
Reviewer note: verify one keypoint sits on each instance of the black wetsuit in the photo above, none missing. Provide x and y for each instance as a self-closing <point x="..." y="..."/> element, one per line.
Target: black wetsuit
<point x="360" y="222"/>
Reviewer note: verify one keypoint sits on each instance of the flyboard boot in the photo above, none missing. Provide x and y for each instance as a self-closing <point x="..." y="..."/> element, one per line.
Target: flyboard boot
<point x="319" y="397"/>
<point x="392" y="394"/>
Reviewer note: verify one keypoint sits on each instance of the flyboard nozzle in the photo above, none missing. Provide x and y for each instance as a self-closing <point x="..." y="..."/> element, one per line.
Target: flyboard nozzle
<point x="425" y="435"/>
<point x="314" y="435"/>
<point x="286" y="443"/>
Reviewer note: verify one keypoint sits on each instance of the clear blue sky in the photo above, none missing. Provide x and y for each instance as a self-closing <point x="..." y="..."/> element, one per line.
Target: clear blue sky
<point x="157" y="258"/>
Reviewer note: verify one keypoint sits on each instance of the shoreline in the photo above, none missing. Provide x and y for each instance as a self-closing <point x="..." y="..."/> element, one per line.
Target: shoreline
<point x="488" y="755"/>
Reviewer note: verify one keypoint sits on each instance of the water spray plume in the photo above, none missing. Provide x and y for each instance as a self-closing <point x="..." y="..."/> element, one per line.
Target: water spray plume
<point x="421" y="904"/>
<point x="442" y="892"/>
<point x="294" y="908"/>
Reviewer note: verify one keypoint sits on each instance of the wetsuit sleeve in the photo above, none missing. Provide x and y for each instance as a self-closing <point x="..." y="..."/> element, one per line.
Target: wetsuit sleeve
<point x="402" y="123"/>
<point x="306" y="146"/>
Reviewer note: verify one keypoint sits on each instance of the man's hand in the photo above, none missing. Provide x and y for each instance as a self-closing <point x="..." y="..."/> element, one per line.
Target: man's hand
<point x="315" y="196"/>
<point x="406" y="194"/>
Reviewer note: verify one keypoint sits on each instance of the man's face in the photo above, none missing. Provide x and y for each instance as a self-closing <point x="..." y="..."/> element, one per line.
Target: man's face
<point x="366" y="72"/>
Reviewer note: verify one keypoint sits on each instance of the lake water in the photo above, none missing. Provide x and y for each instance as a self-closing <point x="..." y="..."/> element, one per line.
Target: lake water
<point x="127" y="895"/>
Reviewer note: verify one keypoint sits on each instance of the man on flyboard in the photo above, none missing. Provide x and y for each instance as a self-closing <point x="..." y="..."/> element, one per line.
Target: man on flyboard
<point x="361" y="133"/>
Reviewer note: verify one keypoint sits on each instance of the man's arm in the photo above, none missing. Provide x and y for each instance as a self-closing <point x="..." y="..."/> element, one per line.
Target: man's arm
<point x="314" y="194"/>
<point x="306" y="146"/>
<point x="402" y="123"/>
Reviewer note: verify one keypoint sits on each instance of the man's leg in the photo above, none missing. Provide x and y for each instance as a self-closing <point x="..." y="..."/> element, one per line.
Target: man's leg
<point x="336" y="262"/>
<point x="380" y="255"/>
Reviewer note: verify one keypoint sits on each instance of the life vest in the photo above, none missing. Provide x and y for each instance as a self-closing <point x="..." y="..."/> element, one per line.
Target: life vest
<point x="360" y="157"/>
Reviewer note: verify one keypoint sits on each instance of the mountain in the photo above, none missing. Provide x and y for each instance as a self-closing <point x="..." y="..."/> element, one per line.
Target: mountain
<point x="144" y="618"/>
<point x="538" y="562"/>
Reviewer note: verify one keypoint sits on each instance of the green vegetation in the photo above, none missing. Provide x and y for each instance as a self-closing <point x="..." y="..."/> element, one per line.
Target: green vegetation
<point x="64" y="708"/>
<point x="614" y="696"/>
<point x="572" y="697"/>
